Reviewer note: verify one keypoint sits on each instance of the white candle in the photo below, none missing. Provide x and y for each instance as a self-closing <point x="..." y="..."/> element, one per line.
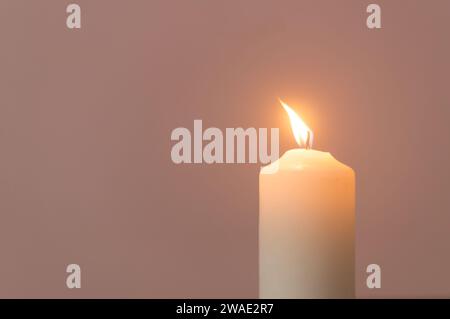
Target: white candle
<point x="306" y="223"/>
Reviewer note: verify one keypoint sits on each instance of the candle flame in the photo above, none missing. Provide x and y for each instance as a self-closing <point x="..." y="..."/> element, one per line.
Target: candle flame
<point x="302" y="133"/>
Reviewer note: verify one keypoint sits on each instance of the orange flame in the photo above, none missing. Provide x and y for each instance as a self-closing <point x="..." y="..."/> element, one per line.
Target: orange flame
<point x="302" y="133"/>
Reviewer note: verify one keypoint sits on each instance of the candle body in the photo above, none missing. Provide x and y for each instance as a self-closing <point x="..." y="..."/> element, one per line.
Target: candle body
<point x="306" y="227"/>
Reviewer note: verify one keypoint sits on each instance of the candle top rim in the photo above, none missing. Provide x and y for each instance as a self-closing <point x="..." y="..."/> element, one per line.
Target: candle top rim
<point x="305" y="160"/>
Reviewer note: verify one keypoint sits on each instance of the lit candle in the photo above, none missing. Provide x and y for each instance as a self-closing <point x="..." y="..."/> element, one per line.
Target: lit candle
<point x="306" y="223"/>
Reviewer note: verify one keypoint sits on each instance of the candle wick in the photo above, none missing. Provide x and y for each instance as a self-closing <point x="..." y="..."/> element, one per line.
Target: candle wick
<point x="308" y="137"/>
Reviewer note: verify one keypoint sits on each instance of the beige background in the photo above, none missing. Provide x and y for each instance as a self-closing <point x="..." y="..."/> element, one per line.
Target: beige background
<point x="86" y="116"/>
